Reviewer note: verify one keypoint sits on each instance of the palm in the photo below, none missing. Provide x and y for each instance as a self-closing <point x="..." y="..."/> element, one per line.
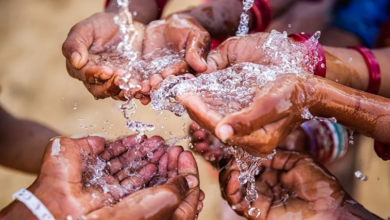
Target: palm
<point x="292" y="184"/>
<point x="62" y="172"/>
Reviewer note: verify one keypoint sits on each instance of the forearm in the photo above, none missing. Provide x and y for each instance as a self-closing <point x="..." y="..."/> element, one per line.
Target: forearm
<point x="143" y="11"/>
<point x="220" y="17"/>
<point x="354" y="211"/>
<point x="360" y="111"/>
<point x="348" y="67"/>
<point x="22" y="143"/>
<point x="16" y="210"/>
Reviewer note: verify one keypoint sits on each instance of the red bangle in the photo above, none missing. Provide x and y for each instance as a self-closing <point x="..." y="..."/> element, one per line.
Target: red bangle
<point x="160" y="4"/>
<point x="382" y="150"/>
<point x="373" y="69"/>
<point x="262" y="13"/>
<point x="320" y="69"/>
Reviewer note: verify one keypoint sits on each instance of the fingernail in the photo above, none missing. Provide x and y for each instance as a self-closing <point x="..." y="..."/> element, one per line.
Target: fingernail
<point x="192" y="181"/>
<point x="75" y="58"/>
<point x="224" y="132"/>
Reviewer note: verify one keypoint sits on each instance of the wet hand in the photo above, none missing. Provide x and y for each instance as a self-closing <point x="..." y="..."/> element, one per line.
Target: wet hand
<point x="291" y="184"/>
<point x="89" y="43"/>
<point x="275" y="112"/>
<point x="238" y="50"/>
<point x="64" y="166"/>
<point x="179" y="198"/>
<point x="178" y="34"/>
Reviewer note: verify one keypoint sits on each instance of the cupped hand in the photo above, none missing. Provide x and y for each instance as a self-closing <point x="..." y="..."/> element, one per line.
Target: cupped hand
<point x="68" y="165"/>
<point x="179" y="34"/>
<point x="88" y="46"/>
<point x="290" y="186"/>
<point x="275" y="112"/>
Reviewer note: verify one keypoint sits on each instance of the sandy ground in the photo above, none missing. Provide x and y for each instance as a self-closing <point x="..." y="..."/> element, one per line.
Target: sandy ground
<point x="35" y="85"/>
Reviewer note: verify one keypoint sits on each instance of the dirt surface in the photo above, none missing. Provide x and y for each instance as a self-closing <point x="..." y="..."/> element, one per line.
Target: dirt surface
<point x="35" y="85"/>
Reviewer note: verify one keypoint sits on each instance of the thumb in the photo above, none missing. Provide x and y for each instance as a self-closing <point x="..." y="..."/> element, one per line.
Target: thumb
<point x="75" y="48"/>
<point x="152" y="203"/>
<point x="219" y="58"/>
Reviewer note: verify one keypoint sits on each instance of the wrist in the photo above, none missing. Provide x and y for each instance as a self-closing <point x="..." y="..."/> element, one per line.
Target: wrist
<point x="17" y="210"/>
<point x="354" y="211"/>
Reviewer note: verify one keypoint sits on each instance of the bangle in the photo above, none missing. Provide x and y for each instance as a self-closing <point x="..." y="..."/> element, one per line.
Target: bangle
<point x="33" y="203"/>
<point x="373" y="69"/>
<point x="319" y="55"/>
<point x="382" y="150"/>
<point x="262" y="15"/>
<point x="328" y="141"/>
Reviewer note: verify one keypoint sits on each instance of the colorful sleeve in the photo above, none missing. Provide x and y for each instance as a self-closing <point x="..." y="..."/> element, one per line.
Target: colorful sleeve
<point x="363" y="18"/>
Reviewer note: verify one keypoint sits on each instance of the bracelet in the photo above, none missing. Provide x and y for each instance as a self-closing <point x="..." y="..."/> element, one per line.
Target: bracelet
<point x="373" y="69"/>
<point x="320" y="68"/>
<point x="33" y="203"/>
<point x="382" y="150"/>
<point x="328" y="141"/>
<point x="263" y="15"/>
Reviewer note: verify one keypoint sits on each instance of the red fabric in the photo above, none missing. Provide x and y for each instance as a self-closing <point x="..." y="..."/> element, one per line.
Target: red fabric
<point x="320" y="69"/>
<point x="382" y="150"/>
<point x="373" y="68"/>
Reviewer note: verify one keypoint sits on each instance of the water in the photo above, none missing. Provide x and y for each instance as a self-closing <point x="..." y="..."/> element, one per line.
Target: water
<point x="135" y="68"/>
<point x="243" y="27"/>
<point x="359" y="175"/>
<point x="233" y="89"/>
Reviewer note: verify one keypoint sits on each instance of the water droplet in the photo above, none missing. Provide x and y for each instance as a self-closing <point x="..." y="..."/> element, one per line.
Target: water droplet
<point x="150" y="154"/>
<point x="289" y="25"/>
<point x="254" y="212"/>
<point x="69" y="217"/>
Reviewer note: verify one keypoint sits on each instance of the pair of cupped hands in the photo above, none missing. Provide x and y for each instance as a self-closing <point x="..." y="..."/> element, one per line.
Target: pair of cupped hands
<point x="291" y="184"/>
<point x="276" y="108"/>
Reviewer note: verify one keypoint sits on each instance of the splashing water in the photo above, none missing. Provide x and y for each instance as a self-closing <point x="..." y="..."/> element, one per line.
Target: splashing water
<point x="359" y="175"/>
<point x="243" y="27"/>
<point x="232" y="89"/>
<point x="138" y="69"/>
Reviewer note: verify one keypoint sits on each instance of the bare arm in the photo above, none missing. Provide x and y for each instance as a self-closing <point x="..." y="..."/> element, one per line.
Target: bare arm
<point x="22" y="142"/>
<point x="347" y="67"/>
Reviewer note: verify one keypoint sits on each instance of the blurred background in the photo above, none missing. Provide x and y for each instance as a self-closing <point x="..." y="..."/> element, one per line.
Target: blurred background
<point x="35" y="85"/>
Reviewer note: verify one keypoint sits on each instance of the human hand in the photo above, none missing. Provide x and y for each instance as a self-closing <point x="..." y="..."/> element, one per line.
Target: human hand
<point x="291" y="184"/>
<point x="275" y="112"/>
<point x="88" y="46"/>
<point x="178" y="34"/>
<point x="64" y="184"/>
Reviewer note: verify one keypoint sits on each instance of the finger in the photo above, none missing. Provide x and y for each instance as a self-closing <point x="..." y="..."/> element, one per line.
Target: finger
<point x="75" y="48"/>
<point x="95" y="144"/>
<point x="248" y="120"/>
<point x="173" y="157"/>
<point x="199" y="112"/>
<point x="145" y="87"/>
<point x="202" y="147"/>
<point x="187" y="165"/>
<point x="164" y="199"/>
<point x="156" y="157"/>
<point x="113" y="149"/>
<point x="133" y="183"/>
<point x="198" y="45"/>
<point x="218" y="59"/>
<point x="131" y="169"/>
<point x="179" y="68"/>
<point x="155" y="81"/>
<point x="132" y="141"/>
<point x="145" y="100"/>
<point x="151" y="145"/>
<point x="163" y="166"/>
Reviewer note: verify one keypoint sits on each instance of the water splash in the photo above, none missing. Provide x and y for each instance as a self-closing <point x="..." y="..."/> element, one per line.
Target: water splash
<point x="243" y="27"/>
